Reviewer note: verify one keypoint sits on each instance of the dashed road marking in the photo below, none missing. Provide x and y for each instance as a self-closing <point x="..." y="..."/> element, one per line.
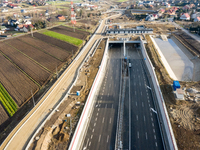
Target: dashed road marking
<point x="110" y="120"/>
<point x="142" y="104"/>
<point x="137" y="117"/>
<point x="93" y="130"/>
<point x="155" y="137"/>
<point x="99" y="137"/>
<point x="154" y="130"/>
<point x="138" y="134"/>
<point x="106" y="106"/>
<point x="153" y="124"/>
<point x="91" y="136"/>
<point x="97" y="114"/>
<point x="96" y="119"/>
<point x="136" y="103"/>
<point x="144" y="118"/>
<point x="98" y="109"/>
<point x="156" y="144"/>
<point x="89" y="143"/>
<point x="107" y="138"/>
<point x="103" y="120"/>
<point x="94" y="124"/>
<point x="146" y="136"/>
<point x="151" y="119"/>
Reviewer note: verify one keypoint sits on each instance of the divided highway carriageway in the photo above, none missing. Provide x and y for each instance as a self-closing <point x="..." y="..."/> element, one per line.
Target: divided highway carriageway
<point x="125" y="98"/>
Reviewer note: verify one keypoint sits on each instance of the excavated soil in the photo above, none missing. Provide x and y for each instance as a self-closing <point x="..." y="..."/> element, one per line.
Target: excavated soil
<point x="184" y="115"/>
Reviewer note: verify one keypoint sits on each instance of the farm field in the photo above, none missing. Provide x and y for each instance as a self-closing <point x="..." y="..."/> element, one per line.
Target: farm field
<point x="88" y="22"/>
<point x="9" y="105"/>
<point x="70" y="32"/>
<point x="3" y="115"/>
<point x="50" y="49"/>
<point x="66" y="46"/>
<point x="46" y="61"/>
<point x="17" y="84"/>
<point x="36" y="72"/>
<point x="63" y="37"/>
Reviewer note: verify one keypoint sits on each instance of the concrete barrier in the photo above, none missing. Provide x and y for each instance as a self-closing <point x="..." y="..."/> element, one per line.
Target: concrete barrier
<point x="80" y="132"/>
<point x="164" y="61"/>
<point x="166" y="125"/>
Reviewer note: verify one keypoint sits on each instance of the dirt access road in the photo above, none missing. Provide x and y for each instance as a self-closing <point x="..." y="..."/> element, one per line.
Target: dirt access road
<point x="20" y="135"/>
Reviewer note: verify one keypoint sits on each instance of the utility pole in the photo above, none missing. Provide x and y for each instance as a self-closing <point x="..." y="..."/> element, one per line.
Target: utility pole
<point x="33" y="98"/>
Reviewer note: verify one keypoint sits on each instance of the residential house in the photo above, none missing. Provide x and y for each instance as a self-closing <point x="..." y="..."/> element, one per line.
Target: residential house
<point x="192" y="5"/>
<point x="168" y="6"/>
<point x="13" y="22"/>
<point x="60" y="18"/>
<point x="151" y="17"/>
<point x="185" y="16"/>
<point x="161" y="11"/>
<point x="197" y="19"/>
<point x="186" y="7"/>
<point x="171" y="12"/>
<point x="23" y="27"/>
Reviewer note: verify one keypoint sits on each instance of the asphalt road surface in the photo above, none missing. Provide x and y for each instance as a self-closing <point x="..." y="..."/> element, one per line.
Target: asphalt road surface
<point x="140" y="126"/>
<point x="102" y="128"/>
<point x="145" y="132"/>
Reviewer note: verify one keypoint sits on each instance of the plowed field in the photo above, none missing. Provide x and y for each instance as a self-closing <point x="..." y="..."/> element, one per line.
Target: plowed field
<point x="88" y="22"/>
<point x="3" y="115"/>
<point x="50" y="49"/>
<point x="70" y="32"/>
<point x="37" y="55"/>
<point x="39" y="74"/>
<point x="15" y="82"/>
<point x="66" y="46"/>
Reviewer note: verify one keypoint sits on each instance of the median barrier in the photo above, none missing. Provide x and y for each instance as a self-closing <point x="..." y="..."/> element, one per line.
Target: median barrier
<point x="80" y="132"/>
<point x="168" y="134"/>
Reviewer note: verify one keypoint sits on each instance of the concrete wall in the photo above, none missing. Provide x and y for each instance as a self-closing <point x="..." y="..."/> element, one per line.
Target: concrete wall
<point x="83" y="124"/>
<point x="166" y="128"/>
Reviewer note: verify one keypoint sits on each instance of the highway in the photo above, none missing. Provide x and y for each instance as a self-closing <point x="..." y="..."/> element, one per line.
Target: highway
<point x="102" y="128"/>
<point x="140" y="126"/>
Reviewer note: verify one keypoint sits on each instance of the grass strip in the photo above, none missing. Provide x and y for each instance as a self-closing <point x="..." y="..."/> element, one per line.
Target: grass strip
<point x="63" y="37"/>
<point x="7" y="102"/>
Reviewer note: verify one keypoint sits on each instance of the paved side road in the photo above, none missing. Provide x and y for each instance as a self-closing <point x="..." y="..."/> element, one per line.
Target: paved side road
<point x="23" y="132"/>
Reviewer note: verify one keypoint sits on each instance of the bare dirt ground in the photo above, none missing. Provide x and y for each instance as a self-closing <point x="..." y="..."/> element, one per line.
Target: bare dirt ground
<point x="56" y="132"/>
<point x="184" y="115"/>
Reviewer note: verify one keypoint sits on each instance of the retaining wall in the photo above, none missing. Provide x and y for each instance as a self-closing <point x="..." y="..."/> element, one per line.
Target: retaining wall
<point x="166" y="125"/>
<point x="80" y="132"/>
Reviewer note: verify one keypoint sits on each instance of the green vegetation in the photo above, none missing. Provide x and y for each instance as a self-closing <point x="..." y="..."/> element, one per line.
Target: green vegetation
<point x="7" y="102"/>
<point x="63" y="37"/>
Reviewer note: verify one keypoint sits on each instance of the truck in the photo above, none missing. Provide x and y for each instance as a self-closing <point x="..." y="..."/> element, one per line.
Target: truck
<point x="129" y="64"/>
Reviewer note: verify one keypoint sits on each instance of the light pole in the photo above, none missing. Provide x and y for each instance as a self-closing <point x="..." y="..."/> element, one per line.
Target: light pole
<point x="69" y="115"/>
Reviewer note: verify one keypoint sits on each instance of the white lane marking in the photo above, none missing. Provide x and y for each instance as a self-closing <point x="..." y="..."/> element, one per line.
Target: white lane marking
<point x="155" y="137"/>
<point x="106" y="106"/>
<point x="151" y="119"/>
<point x="108" y="94"/>
<point x="89" y="143"/>
<point x="103" y="91"/>
<point x="99" y="137"/>
<point x="137" y="117"/>
<point x="154" y="130"/>
<point x="141" y="93"/>
<point x="111" y="77"/>
<point x="94" y="124"/>
<point x="110" y="120"/>
<point x="142" y="104"/>
<point x="151" y="114"/>
<point x="144" y="118"/>
<point x="156" y="144"/>
<point x="148" y="101"/>
<point x="112" y="106"/>
<point x="135" y="93"/>
<point x="110" y="85"/>
<point x="146" y="136"/>
<point x="96" y="119"/>
<point x="149" y="105"/>
<point x="91" y="136"/>
<point x="147" y="93"/>
<point x="104" y="87"/>
<point x="98" y="109"/>
<point x="103" y="120"/>
<point x="153" y="124"/>
<point x="93" y="130"/>
<point x="107" y="138"/>
<point x="138" y="134"/>
<point x="101" y="97"/>
<point x="97" y="114"/>
<point x="136" y="103"/>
